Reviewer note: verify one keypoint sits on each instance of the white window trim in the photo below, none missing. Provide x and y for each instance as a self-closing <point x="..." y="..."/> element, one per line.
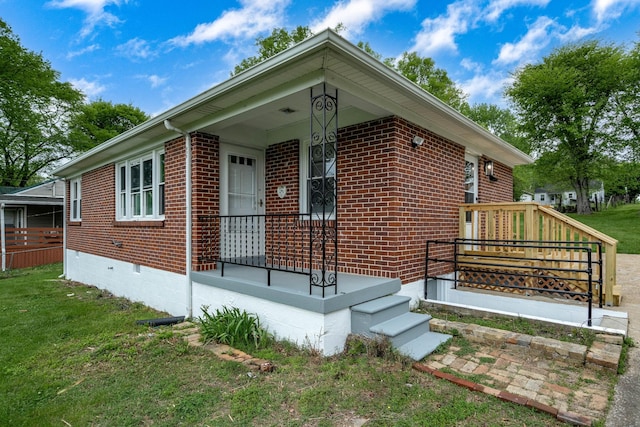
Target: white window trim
<point x="304" y="177"/>
<point x="75" y="213"/>
<point x="128" y="208"/>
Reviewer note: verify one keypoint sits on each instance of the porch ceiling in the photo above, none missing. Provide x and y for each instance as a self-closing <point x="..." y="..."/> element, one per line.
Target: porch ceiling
<point x="270" y="103"/>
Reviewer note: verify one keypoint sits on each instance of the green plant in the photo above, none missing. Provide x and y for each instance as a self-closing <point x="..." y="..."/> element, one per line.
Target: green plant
<point x="232" y="326"/>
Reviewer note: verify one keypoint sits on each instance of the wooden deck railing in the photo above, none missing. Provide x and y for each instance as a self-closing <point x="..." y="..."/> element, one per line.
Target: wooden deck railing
<point x="530" y="221"/>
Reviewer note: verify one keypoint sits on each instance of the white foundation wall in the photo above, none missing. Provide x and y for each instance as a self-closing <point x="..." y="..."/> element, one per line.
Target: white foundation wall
<point x="166" y="291"/>
<point x="566" y="313"/>
<point x="159" y="289"/>
<point x="413" y="290"/>
<point x="326" y="333"/>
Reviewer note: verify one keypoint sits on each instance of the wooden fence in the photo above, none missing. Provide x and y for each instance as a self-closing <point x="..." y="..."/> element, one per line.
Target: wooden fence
<point x="29" y="247"/>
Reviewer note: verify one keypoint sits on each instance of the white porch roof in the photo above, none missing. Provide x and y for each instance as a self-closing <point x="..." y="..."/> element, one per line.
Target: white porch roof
<point x="270" y="103"/>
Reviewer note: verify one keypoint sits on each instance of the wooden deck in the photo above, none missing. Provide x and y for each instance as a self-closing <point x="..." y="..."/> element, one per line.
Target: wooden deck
<point x="531" y="222"/>
<point x="30" y="247"/>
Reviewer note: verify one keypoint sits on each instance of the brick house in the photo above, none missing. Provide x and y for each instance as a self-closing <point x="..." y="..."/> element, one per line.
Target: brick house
<point x="316" y="178"/>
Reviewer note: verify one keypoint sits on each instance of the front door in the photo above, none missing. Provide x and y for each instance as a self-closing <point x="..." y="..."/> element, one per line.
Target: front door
<point x="241" y="202"/>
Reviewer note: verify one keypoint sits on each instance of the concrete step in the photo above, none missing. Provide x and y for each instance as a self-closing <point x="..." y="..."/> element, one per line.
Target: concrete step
<point x="424" y="345"/>
<point x="403" y="328"/>
<point x="379" y="310"/>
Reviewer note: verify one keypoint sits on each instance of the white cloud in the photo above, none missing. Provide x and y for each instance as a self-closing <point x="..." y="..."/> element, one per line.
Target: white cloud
<point x="156" y="80"/>
<point x="355" y="15"/>
<point x="91" y="89"/>
<point x="88" y="49"/>
<point x="136" y="49"/>
<point x="153" y="79"/>
<point x="576" y="33"/>
<point x="469" y="64"/>
<point x="439" y="33"/>
<point x="486" y="88"/>
<point x="95" y="10"/>
<point x="496" y="7"/>
<point x="253" y="18"/>
<point x="537" y="38"/>
<point x="611" y="9"/>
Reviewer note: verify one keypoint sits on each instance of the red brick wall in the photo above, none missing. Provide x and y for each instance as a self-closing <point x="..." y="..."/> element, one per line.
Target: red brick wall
<point x="392" y="198"/>
<point x="157" y="244"/>
<point x="282" y="168"/>
<point x="495" y="191"/>
<point x="205" y="183"/>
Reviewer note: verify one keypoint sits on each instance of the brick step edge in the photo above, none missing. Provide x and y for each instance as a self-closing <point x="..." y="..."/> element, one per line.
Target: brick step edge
<point x="602" y="354"/>
<point x="564" y="416"/>
<point x="191" y="333"/>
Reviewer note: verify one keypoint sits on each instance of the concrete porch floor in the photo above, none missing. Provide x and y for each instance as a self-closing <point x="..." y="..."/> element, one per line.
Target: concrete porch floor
<point x="293" y="289"/>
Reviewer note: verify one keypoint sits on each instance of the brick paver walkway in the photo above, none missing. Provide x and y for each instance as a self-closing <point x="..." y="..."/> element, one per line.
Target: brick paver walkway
<point x="555" y="377"/>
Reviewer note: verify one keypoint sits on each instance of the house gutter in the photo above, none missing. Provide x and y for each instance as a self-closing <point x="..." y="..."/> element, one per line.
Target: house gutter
<point x="188" y="220"/>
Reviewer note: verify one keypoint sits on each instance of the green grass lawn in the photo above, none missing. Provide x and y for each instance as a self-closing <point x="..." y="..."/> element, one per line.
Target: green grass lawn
<point x="72" y="355"/>
<point x="621" y="223"/>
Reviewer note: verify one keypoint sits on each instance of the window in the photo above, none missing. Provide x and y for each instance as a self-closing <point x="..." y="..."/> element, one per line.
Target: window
<point x="140" y="187"/>
<point x="76" y="199"/>
<point x="316" y="198"/>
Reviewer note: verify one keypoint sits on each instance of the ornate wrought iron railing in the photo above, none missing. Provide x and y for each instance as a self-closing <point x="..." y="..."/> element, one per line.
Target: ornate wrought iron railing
<point x="293" y="243"/>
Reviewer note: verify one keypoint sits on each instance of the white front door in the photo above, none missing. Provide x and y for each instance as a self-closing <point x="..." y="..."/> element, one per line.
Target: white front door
<point x="242" y="201"/>
<point x="471" y="194"/>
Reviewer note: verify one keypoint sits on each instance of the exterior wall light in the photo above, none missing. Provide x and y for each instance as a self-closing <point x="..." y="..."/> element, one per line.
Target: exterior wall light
<point x="417" y="141"/>
<point x="488" y="170"/>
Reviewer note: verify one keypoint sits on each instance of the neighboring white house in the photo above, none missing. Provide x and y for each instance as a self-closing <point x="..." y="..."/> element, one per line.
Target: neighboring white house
<point x="560" y="198"/>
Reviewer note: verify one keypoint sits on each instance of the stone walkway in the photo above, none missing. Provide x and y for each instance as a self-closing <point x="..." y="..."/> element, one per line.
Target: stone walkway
<point x="507" y="368"/>
<point x="568" y="381"/>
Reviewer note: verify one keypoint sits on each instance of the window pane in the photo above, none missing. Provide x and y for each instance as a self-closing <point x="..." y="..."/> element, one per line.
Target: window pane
<point x="319" y="196"/>
<point x="161" y="199"/>
<point x="135" y="177"/>
<point x="123" y="178"/>
<point x="135" y="203"/>
<point x="148" y="203"/>
<point x="161" y="168"/>
<point x="147" y="173"/>
<point x="123" y="205"/>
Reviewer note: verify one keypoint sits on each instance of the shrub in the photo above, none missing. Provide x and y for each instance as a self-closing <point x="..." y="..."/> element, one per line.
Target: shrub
<point x="232" y="327"/>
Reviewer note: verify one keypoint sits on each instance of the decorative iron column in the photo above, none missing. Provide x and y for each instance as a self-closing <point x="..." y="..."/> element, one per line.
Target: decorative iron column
<point x="323" y="190"/>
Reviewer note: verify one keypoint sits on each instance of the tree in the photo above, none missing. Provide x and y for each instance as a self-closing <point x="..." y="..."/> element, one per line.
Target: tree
<point x="34" y="112"/>
<point x="628" y="105"/>
<point x="423" y="72"/>
<point x="622" y="181"/>
<point x="279" y="40"/>
<point x="101" y="120"/>
<point x="566" y="109"/>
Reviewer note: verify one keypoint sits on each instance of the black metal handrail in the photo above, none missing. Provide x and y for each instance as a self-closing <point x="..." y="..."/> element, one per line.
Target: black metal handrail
<point x="497" y="257"/>
<point x="281" y="242"/>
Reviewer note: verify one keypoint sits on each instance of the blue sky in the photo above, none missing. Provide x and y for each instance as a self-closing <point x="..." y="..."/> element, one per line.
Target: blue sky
<point x="155" y="54"/>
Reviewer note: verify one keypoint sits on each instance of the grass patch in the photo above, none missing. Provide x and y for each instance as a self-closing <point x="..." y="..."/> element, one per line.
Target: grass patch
<point x="621" y="223"/>
<point x="74" y="355"/>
